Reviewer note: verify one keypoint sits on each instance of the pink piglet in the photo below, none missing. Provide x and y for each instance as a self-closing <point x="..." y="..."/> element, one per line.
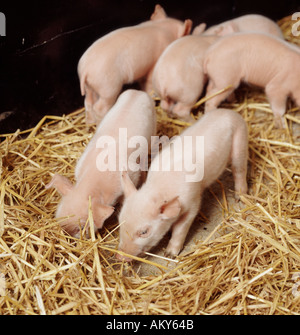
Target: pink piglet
<point x="122" y="57"/>
<point x="257" y="59"/>
<point x="171" y="196"/>
<point x="134" y="116"/>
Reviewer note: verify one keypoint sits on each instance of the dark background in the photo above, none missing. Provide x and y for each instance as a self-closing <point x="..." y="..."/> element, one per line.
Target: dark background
<point x="45" y="39"/>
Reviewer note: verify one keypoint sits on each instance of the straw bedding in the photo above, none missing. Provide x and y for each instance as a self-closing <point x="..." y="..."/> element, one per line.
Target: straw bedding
<point x="249" y="264"/>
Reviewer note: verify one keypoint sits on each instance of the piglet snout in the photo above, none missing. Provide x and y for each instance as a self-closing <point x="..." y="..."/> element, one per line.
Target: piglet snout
<point x="122" y="257"/>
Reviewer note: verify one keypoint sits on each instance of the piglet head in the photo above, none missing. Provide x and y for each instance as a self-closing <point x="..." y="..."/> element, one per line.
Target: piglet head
<point x="75" y="207"/>
<point x="144" y="221"/>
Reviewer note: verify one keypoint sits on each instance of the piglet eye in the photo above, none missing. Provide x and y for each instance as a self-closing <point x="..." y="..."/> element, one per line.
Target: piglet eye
<point x="143" y="232"/>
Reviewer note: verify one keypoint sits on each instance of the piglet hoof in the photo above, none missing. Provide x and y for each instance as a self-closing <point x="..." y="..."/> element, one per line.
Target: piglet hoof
<point x="89" y="117"/>
<point x="167" y="254"/>
<point x="185" y="118"/>
<point x="279" y="122"/>
<point x="172" y="252"/>
<point x="239" y="204"/>
<point x="124" y="258"/>
<point x="190" y="120"/>
<point x="237" y="197"/>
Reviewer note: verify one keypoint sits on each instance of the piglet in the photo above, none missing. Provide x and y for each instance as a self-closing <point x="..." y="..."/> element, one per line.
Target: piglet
<point x="132" y="115"/>
<point x="246" y="23"/>
<point x="170" y="198"/>
<point x="122" y="57"/>
<point x="256" y="59"/>
<point x="178" y="77"/>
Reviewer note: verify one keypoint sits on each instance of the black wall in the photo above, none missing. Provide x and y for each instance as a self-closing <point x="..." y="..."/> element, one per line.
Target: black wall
<point x="45" y="39"/>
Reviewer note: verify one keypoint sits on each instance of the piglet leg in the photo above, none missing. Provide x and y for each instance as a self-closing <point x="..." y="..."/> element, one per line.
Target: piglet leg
<point x="239" y="160"/>
<point x="91" y="98"/>
<point x="216" y="100"/>
<point x="179" y="232"/>
<point x="277" y="98"/>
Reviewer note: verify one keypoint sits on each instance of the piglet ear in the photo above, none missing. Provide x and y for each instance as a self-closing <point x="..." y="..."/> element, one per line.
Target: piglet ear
<point x="158" y="14"/>
<point x="226" y="29"/>
<point x="170" y="209"/>
<point x="199" y="29"/>
<point x="127" y="185"/>
<point x="101" y="213"/>
<point x="61" y="183"/>
<point x="186" y="28"/>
